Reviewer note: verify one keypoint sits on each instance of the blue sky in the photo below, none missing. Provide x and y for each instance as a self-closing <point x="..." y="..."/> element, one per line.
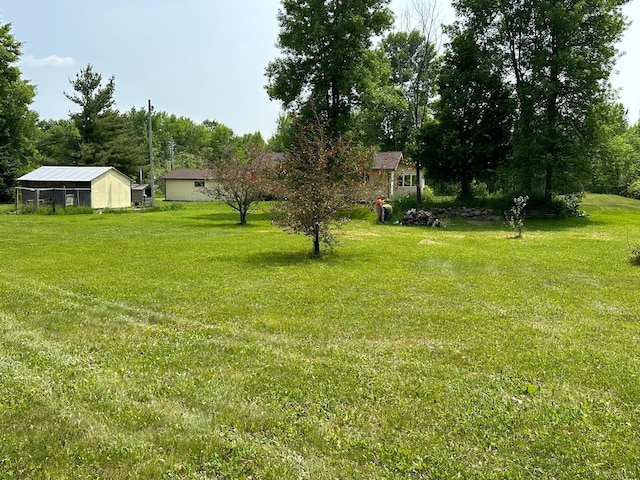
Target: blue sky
<point x="201" y="59"/>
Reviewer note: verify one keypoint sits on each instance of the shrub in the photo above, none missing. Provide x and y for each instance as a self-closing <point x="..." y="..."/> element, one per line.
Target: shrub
<point x="407" y="202"/>
<point x="47" y="209"/>
<point x="76" y="210"/>
<point x="26" y="209"/>
<point x="359" y="212"/>
<point x="479" y="189"/>
<point x="633" y="190"/>
<point x="569" y="205"/>
<point x="427" y="194"/>
<point x="515" y="217"/>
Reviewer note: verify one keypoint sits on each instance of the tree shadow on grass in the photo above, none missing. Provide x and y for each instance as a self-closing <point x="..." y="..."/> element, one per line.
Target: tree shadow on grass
<point x="281" y="259"/>
<point x="532" y="224"/>
<point x="226" y="220"/>
<point x="296" y="257"/>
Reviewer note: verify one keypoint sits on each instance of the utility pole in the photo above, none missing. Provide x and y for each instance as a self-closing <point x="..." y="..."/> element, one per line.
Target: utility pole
<point x="151" y="174"/>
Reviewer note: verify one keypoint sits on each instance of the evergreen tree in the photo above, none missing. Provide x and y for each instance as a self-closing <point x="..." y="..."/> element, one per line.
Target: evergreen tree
<point x="105" y="136"/>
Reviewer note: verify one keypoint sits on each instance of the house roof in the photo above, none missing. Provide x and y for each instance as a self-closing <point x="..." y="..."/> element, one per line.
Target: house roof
<point x="187" y="174"/>
<point x="66" y="174"/>
<point x="387" y="160"/>
<point x="382" y="160"/>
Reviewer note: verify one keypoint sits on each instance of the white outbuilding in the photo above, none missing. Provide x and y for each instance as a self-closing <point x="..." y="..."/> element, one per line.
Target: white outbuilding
<point x="188" y="185"/>
<point x="95" y="187"/>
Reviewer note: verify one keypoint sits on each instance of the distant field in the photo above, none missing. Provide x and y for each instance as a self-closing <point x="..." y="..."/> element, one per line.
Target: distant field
<point x="177" y="344"/>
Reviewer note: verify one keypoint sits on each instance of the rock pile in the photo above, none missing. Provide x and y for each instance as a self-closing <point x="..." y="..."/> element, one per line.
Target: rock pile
<point x="420" y="217"/>
<point x="431" y="218"/>
<point x="465" y="212"/>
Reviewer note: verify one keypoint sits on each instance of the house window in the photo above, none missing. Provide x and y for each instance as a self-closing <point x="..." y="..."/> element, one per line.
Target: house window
<point x="407" y="180"/>
<point x="198" y="184"/>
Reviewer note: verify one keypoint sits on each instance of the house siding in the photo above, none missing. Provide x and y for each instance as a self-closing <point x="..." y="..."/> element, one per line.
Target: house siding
<point x="111" y="190"/>
<point x="402" y="171"/>
<point x="180" y="190"/>
<point x="391" y="176"/>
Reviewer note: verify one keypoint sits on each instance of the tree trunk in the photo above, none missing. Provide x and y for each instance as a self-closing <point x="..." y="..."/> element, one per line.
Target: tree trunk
<point x="552" y="117"/>
<point x="316" y="240"/>
<point x="465" y="187"/>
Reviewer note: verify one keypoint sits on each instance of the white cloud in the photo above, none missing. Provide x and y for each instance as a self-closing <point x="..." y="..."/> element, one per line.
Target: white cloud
<point x="50" y="61"/>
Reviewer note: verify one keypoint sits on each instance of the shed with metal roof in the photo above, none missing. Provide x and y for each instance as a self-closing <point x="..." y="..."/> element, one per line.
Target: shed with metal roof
<point x="95" y="187"/>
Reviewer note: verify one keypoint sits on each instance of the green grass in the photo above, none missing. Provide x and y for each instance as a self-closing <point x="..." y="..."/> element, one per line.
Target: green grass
<point x="177" y="344"/>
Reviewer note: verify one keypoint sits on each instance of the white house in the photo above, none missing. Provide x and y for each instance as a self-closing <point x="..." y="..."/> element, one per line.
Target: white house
<point x="391" y="175"/>
<point x="95" y="187"/>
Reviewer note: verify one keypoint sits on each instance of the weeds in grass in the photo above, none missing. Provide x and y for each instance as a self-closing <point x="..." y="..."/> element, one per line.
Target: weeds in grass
<point x="49" y="210"/>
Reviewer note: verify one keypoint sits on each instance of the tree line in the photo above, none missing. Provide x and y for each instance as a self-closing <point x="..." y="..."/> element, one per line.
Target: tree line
<point x="517" y="101"/>
<point x="97" y="133"/>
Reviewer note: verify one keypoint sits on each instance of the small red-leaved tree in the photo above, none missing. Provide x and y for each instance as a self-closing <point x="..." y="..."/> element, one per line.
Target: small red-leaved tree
<point x="319" y="179"/>
<point x="240" y="181"/>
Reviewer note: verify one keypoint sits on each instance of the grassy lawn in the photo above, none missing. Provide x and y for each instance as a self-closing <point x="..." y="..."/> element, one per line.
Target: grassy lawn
<point x="177" y="344"/>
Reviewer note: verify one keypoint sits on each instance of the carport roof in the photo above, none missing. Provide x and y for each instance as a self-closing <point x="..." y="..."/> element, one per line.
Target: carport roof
<point x="65" y="174"/>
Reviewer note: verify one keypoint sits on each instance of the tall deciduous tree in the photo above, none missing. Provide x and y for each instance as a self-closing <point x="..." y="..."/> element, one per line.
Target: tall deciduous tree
<point x="17" y="122"/>
<point x="615" y="159"/>
<point x="323" y="43"/>
<point x="397" y="107"/>
<point x="283" y="136"/>
<point x="319" y="178"/>
<point x="57" y="141"/>
<point x="413" y="52"/>
<point x="383" y="119"/>
<point x="559" y="55"/>
<point x="471" y="135"/>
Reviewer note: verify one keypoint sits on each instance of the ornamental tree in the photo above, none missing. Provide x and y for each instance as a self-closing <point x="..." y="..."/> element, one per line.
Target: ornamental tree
<point x="318" y="180"/>
<point x="240" y="181"/>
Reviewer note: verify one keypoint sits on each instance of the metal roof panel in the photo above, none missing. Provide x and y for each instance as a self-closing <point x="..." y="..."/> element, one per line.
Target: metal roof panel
<point x="65" y="174"/>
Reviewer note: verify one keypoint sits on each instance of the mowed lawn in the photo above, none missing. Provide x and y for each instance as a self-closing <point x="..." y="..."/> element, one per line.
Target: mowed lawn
<point x="177" y="344"/>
